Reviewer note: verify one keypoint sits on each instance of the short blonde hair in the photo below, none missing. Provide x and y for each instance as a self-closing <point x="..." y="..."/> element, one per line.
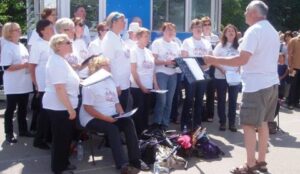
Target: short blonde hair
<point x="6" y="30"/>
<point x="196" y="22"/>
<point x="142" y="31"/>
<point x="96" y="63"/>
<point x="56" y="40"/>
<point x="63" y="23"/>
<point x="112" y="17"/>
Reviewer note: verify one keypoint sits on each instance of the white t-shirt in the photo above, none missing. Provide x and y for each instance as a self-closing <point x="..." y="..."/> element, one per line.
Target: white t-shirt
<point x="81" y="52"/>
<point x="145" y="66"/>
<point x="115" y="50"/>
<point x="130" y="43"/>
<point x="102" y="96"/>
<point x="39" y="55"/>
<point x="95" y="47"/>
<point x="226" y="51"/>
<point x="196" y="48"/>
<point x="19" y="81"/>
<point x="58" y="71"/>
<point x="262" y="41"/>
<point x="165" y="51"/>
<point x="212" y="39"/>
<point x="33" y="38"/>
<point x="86" y="35"/>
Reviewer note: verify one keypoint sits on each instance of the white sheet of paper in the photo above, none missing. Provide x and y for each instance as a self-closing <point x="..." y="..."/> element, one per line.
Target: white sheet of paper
<point x="233" y="78"/>
<point x="127" y="114"/>
<point x="195" y="69"/>
<point x="161" y="91"/>
<point x="96" y="77"/>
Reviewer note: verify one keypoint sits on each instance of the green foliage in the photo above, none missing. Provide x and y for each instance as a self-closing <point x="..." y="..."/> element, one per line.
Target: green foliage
<point x="283" y="14"/>
<point x="13" y="11"/>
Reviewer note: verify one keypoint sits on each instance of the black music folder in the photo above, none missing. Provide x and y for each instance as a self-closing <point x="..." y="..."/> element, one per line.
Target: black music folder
<point x="192" y="68"/>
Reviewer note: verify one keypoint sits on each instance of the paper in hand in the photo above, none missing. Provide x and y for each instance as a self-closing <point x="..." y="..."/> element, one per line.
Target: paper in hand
<point x="127" y="114"/>
<point x="96" y="77"/>
<point x="159" y="91"/>
<point x="195" y="69"/>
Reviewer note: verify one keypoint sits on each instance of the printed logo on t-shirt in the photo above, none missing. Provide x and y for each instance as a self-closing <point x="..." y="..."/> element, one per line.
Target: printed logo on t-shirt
<point x="148" y="64"/>
<point x="72" y="59"/>
<point x="200" y="51"/>
<point x="110" y="96"/>
<point x="83" y="54"/>
<point x="231" y="52"/>
<point x="169" y="55"/>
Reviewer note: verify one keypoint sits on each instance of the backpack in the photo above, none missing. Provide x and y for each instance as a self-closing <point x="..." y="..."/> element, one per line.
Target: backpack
<point x="206" y="149"/>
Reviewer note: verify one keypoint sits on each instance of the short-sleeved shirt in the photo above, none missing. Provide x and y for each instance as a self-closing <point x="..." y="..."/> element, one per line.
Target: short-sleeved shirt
<point x="260" y="72"/>
<point x="165" y="51"/>
<point x="224" y="51"/>
<point x="196" y="48"/>
<point x="94" y="47"/>
<point x="39" y="55"/>
<point x="80" y="50"/>
<point x="33" y="38"/>
<point x="58" y="71"/>
<point x="115" y="50"/>
<point x="145" y="66"/>
<point x="19" y="81"/>
<point x="102" y="96"/>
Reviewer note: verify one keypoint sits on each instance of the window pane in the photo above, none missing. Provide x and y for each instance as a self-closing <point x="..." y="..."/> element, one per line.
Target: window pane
<point x="169" y="10"/>
<point x="177" y="13"/>
<point x="50" y="3"/>
<point x="91" y="7"/>
<point x="201" y="8"/>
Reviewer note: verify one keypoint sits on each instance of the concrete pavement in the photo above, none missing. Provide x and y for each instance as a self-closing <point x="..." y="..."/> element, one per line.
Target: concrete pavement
<point x="283" y="156"/>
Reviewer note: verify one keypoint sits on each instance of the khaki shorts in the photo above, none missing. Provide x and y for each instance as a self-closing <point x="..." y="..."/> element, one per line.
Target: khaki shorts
<point x="259" y="106"/>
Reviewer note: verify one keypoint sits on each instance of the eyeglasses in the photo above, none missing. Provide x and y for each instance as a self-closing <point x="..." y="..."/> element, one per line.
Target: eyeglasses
<point x="80" y="24"/>
<point x="206" y="24"/>
<point x="67" y="43"/>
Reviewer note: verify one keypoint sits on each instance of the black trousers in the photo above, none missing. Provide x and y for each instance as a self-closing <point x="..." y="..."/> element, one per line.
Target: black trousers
<point x="210" y="98"/>
<point x="124" y="98"/>
<point x="12" y="101"/>
<point x="62" y="130"/>
<point x="113" y="131"/>
<point x="294" y="94"/>
<point x="176" y="99"/>
<point x="143" y="102"/>
<point x="43" y="133"/>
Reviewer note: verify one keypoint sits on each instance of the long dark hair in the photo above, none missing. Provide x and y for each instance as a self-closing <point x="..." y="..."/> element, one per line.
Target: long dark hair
<point x="224" y="40"/>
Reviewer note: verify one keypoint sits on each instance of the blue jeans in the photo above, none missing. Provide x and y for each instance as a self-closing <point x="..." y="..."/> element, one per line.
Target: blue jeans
<point x="163" y="105"/>
<point x="193" y="104"/>
<point x="222" y="87"/>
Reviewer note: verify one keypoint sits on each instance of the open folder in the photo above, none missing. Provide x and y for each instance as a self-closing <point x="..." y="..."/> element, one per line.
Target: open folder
<point x="96" y="77"/>
<point x="191" y="68"/>
<point x="127" y="114"/>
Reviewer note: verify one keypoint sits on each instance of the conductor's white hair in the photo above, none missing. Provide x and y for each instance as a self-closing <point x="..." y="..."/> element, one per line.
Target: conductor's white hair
<point x="260" y="6"/>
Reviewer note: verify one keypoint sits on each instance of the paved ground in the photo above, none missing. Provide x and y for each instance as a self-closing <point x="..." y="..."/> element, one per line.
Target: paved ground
<point x="283" y="157"/>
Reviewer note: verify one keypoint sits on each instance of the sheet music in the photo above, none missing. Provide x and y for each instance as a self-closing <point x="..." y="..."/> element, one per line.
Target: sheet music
<point x="161" y="91"/>
<point x="194" y="68"/>
<point x="233" y="78"/>
<point x="96" y="77"/>
<point x="127" y="114"/>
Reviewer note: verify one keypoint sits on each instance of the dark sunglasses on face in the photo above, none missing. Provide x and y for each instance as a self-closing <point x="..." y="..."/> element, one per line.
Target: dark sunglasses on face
<point x="80" y="24"/>
<point x="206" y="24"/>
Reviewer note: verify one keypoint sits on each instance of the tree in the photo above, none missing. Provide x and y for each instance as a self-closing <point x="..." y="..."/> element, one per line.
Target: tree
<point x="13" y="11"/>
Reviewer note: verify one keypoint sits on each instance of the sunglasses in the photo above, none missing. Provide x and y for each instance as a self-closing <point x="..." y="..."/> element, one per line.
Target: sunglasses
<point x="206" y="24"/>
<point x="80" y="24"/>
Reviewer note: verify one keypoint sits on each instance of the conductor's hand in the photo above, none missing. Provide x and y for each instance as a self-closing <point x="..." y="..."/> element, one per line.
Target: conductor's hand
<point x="210" y="60"/>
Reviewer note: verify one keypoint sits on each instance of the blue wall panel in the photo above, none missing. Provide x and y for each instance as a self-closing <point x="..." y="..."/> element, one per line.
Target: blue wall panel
<point x="131" y="8"/>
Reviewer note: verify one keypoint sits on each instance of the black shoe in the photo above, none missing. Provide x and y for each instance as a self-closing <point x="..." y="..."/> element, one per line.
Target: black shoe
<point x="43" y="146"/>
<point x="71" y="167"/>
<point x="127" y="169"/>
<point x="26" y="134"/>
<point x="141" y="165"/>
<point x="222" y="127"/>
<point x="232" y="128"/>
<point x="11" y="139"/>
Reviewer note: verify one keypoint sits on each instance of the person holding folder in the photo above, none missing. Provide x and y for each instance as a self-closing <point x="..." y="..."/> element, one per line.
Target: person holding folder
<point x="194" y="46"/>
<point x="99" y="103"/>
<point x="227" y="47"/>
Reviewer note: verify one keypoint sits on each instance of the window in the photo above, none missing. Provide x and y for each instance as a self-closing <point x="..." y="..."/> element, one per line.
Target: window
<point x="169" y="10"/>
<point x="91" y="8"/>
<point x="201" y="8"/>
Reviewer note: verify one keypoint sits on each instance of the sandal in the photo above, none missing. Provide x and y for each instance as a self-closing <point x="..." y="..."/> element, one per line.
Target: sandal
<point x="244" y="170"/>
<point x="261" y="166"/>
